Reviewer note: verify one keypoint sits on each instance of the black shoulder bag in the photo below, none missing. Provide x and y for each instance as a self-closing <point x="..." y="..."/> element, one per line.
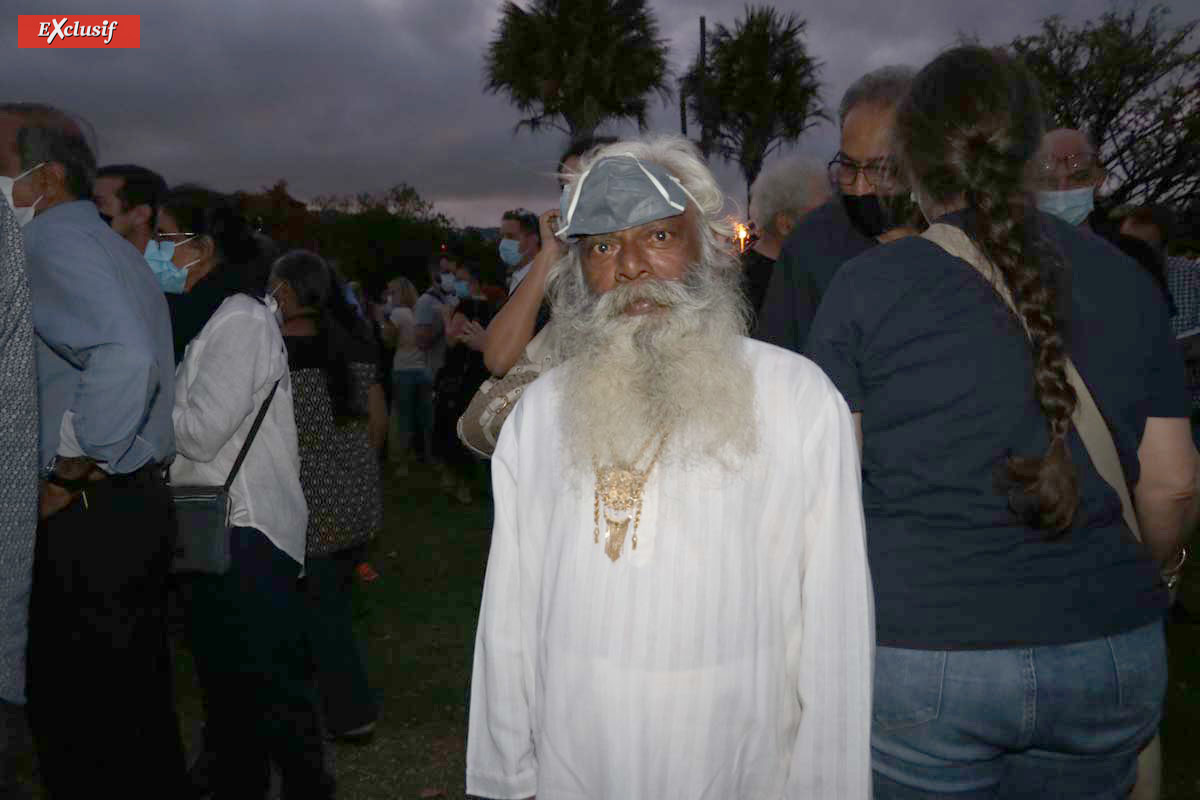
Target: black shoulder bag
<point x="202" y="514"/>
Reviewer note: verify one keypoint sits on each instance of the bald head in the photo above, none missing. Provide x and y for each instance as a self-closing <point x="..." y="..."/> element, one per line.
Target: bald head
<point x="1063" y="142"/>
<point x="1067" y="159"/>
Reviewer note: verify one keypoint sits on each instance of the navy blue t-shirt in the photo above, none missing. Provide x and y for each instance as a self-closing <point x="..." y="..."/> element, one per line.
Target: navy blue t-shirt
<point x="941" y="370"/>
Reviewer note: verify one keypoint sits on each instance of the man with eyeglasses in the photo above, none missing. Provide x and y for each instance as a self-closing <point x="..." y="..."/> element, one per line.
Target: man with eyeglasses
<point x="1065" y="175"/>
<point x="870" y="205"/>
<point x="99" y="673"/>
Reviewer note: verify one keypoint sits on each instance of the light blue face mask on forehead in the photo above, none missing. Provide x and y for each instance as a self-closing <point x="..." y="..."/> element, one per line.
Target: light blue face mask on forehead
<point x="618" y="192"/>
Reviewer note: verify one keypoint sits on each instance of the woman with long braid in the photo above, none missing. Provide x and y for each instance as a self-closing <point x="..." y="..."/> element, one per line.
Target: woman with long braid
<point x="1019" y="618"/>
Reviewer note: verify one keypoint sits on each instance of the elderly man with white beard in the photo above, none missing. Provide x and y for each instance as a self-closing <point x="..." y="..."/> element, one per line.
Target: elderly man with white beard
<point x="677" y="601"/>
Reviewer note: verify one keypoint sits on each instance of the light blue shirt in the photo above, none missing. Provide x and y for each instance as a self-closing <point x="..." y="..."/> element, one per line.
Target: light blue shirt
<point x="104" y="347"/>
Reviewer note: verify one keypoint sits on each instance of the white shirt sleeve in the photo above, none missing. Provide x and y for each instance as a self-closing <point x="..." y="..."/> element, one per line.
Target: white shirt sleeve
<point x="501" y="762"/>
<point x="215" y="385"/>
<point x="832" y="754"/>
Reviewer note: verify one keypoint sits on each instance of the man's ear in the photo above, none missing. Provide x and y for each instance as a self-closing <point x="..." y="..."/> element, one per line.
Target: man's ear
<point x="51" y="181"/>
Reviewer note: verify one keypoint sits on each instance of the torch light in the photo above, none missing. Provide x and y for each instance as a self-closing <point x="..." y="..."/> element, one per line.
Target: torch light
<point x="743" y="233"/>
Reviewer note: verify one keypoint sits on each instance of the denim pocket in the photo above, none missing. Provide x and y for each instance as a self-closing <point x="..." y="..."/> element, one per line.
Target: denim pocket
<point x="1140" y="661"/>
<point x="908" y="687"/>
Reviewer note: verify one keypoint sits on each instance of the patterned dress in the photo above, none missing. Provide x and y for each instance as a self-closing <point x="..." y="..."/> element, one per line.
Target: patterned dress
<point x="339" y="470"/>
<point x="18" y="453"/>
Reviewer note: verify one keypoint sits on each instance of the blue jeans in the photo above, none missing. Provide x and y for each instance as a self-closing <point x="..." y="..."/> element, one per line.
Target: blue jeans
<point x="1063" y="721"/>
<point x="412" y="412"/>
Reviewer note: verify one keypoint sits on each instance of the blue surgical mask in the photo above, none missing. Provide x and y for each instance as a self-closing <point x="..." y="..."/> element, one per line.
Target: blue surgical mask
<point x="462" y="289"/>
<point x="510" y="252"/>
<point x="1069" y="205"/>
<point x="171" y="278"/>
<point x="446" y="281"/>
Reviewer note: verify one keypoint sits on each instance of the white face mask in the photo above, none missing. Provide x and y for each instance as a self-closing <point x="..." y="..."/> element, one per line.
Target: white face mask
<point x="25" y="213"/>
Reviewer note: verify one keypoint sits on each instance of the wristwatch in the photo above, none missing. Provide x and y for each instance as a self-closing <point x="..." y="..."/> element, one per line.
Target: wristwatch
<point x="48" y="471"/>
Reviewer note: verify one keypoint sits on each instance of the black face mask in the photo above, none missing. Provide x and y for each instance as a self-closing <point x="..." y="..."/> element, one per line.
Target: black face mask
<point x="866" y="214"/>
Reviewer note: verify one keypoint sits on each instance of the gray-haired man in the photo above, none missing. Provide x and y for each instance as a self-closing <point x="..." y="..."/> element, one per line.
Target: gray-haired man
<point x="868" y="208"/>
<point x="677" y="601"/>
<point x="100" y="700"/>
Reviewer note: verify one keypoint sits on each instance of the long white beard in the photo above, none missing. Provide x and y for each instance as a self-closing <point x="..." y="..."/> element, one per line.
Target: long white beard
<point x="681" y="371"/>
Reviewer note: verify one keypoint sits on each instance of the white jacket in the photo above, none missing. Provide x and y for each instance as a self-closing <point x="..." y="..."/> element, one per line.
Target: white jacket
<point x="227" y="372"/>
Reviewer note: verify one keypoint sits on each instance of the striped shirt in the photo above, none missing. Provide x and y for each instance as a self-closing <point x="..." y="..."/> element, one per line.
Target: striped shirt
<point x="730" y="656"/>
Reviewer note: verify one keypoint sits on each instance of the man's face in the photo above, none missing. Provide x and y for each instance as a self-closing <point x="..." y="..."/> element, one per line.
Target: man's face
<point x="511" y="229"/>
<point x="1066" y="161"/>
<point x="866" y="138"/>
<point x="661" y="250"/>
<point x="105" y="194"/>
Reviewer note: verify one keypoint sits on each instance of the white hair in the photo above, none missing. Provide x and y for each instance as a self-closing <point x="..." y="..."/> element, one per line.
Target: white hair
<point x="791" y="186"/>
<point x="682" y="371"/>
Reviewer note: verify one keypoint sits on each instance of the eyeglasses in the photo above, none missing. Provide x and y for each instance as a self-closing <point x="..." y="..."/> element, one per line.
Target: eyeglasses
<point x="1076" y="169"/>
<point x="879" y="172"/>
<point x="174" y="238"/>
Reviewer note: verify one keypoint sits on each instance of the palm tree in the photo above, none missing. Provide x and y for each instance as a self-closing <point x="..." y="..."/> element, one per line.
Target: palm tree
<point x="759" y="89"/>
<point x="574" y="64"/>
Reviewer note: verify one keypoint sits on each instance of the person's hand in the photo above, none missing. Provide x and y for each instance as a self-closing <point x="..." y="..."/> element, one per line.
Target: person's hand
<point x="548" y="223"/>
<point x="474" y="336"/>
<point x="53" y="498"/>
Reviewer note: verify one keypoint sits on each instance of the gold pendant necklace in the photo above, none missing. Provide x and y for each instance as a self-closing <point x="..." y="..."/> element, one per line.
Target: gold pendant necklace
<point x="620" y="491"/>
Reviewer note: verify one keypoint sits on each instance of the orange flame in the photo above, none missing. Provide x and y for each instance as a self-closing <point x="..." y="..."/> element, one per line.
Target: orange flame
<point x="742" y="234"/>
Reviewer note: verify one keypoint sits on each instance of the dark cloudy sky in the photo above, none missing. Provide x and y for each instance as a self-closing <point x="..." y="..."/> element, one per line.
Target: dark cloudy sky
<point x="352" y="95"/>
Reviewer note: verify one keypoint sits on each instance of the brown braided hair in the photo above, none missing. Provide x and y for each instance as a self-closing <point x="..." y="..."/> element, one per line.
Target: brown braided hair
<point x="965" y="133"/>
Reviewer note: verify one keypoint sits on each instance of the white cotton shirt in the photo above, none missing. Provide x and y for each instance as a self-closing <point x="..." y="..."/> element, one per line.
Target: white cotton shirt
<point x="729" y="657"/>
<point x="227" y="372"/>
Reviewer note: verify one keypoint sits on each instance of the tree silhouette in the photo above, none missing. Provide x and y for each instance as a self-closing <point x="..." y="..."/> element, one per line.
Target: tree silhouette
<point x="1132" y="84"/>
<point x="759" y="89"/>
<point x="575" y="64"/>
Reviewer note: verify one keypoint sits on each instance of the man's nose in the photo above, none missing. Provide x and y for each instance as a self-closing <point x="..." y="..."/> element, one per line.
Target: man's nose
<point x="630" y="263"/>
<point x="861" y="185"/>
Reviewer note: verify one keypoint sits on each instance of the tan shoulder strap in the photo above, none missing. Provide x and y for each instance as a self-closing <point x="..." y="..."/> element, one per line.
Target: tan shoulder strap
<point x="1087" y="419"/>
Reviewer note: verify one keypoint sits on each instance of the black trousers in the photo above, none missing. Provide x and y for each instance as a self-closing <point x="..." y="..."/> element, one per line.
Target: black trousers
<point x="347" y="700"/>
<point x="248" y="638"/>
<point x="101" y="695"/>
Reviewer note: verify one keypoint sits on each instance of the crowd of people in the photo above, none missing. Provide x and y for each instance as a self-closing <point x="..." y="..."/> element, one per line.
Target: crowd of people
<point x="891" y="502"/>
<point x="155" y="339"/>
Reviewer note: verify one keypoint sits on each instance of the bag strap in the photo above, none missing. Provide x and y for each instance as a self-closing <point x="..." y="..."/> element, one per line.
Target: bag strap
<point x="262" y="412"/>
<point x="1087" y="419"/>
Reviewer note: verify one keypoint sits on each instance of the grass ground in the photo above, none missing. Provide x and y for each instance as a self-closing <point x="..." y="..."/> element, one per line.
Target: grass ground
<point x="418" y="624"/>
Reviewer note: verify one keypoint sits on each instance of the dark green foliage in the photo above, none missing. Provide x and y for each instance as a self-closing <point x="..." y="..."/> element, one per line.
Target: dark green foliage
<point x="574" y="64"/>
<point x="1131" y="81"/>
<point x="759" y="89"/>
